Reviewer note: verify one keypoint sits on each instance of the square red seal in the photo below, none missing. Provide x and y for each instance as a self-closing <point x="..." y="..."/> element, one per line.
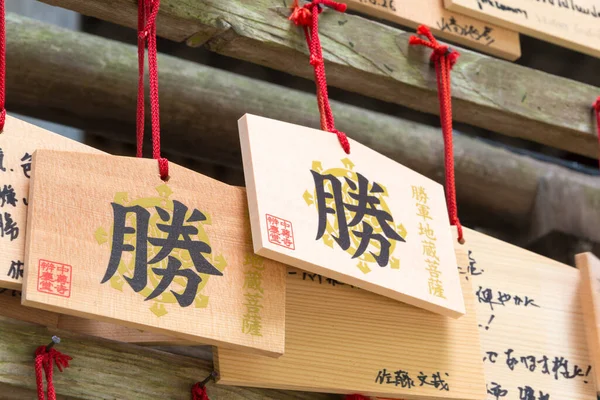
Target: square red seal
<point x="280" y="232"/>
<point x="54" y="278"/>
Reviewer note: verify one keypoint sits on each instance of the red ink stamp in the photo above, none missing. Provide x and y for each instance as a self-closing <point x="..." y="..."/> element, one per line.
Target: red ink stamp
<point x="280" y="232"/>
<point x="54" y="278"/>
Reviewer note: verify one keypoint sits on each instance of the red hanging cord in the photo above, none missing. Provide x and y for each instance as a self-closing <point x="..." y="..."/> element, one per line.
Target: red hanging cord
<point x="199" y="392"/>
<point x="147" y="12"/>
<point x="2" y="64"/>
<point x="596" y="108"/>
<point x="45" y="358"/>
<point x="356" y="397"/>
<point x="444" y="58"/>
<point x="308" y="18"/>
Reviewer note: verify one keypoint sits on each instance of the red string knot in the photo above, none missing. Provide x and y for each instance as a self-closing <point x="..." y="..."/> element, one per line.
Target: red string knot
<point x="315" y="61"/>
<point x="300" y="16"/>
<point x="163" y="168"/>
<point x="439" y="50"/>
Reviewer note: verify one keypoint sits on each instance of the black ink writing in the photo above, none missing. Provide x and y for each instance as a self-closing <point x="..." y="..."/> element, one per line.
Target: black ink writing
<point x="466" y="30"/>
<point x="8" y="227"/>
<point x="16" y="270"/>
<point x="487" y="296"/>
<point x="502" y="7"/>
<point x="403" y="379"/>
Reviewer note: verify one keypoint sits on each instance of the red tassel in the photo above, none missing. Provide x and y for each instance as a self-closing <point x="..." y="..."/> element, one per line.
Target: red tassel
<point x="45" y="358"/>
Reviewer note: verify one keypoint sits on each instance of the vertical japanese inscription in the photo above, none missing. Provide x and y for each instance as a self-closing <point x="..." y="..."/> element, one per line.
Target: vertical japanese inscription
<point x="252" y="320"/>
<point x="353" y="214"/>
<point x="429" y="242"/>
<point x="159" y="247"/>
<point x="10" y="201"/>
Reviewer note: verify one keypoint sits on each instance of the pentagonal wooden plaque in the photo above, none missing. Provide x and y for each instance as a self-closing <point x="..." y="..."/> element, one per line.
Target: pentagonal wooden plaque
<point x="359" y="218"/>
<point x="18" y="141"/>
<point x="589" y="266"/>
<point x="342" y="339"/>
<point x="108" y="240"/>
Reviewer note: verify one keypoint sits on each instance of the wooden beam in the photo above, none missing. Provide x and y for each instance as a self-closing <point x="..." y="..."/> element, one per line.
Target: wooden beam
<point x="91" y="83"/>
<point x="105" y="369"/>
<point x="375" y="60"/>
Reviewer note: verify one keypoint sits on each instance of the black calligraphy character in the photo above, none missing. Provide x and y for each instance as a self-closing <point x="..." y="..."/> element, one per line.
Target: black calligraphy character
<point x="503" y="297"/>
<point x="175" y="230"/>
<point x="543" y="396"/>
<point x="526" y="393"/>
<point x="2" y="161"/>
<point x="142" y="217"/>
<point x="486" y="296"/>
<point x="439" y="383"/>
<point x="8" y="196"/>
<point x="27" y="164"/>
<point x="561" y="363"/>
<point x="403" y="378"/>
<point x="193" y="280"/>
<point x="496" y="390"/>
<point x="492" y="356"/>
<point x="8" y="227"/>
<point x="472" y="269"/>
<point x="517" y="300"/>
<point x="510" y="361"/>
<point x="312" y="277"/>
<point x="366" y="206"/>
<point x="544" y="361"/>
<point x="16" y="270"/>
<point x="382" y="376"/>
<point x="530" y="302"/>
<point x="529" y="362"/>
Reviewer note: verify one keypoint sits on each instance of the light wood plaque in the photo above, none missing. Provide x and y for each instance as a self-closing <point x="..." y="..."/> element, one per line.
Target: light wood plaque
<point x="175" y="258"/>
<point x="589" y="266"/>
<point x="11" y="307"/>
<point x="537" y="313"/>
<point x="18" y="141"/>
<point x="359" y="218"/>
<point x="574" y="24"/>
<point x="447" y="25"/>
<point x="342" y="339"/>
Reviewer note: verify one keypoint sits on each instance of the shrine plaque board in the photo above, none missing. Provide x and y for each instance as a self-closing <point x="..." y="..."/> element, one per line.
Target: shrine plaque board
<point x="342" y="339"/>
<point x="530" y="321"/>
<point x="445" y="24"/>
<point x="589" y="266"/>
<point x="18" y="141"/>
<point x="10" y="307"/>
<point x="574" y="24"/>
<point x="359" y="218"/>
<point x="108" y="240"/>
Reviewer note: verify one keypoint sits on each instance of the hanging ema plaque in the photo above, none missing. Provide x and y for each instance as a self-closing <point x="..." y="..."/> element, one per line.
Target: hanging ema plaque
<point x="18" y="141"/>
<point x="108" y="240"/>
<point x="359" y="218"/>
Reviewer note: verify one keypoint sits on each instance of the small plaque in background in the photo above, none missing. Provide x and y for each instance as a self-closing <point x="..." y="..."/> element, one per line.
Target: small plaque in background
<point x="342" y="339"/>
<point x="445" y="24"/>
<point x="358" y="218"/>
<point x="108" y="240"/>
<point x="569" y="23"/>
<point x="18" y="141"/>
<point x="589" y="266"/>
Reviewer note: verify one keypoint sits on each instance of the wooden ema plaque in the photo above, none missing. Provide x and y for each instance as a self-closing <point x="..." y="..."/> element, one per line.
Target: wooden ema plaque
<point x="589" y="266"/>
<point x="447" y="25"/>
<point x="341" y="339"/>
<point x="530" y="321"/>
<point x="358" y="218"/>
<point x="10" y="307"/>
<point x="568" y="23"/>
<point x="108" y="240"/>
<point x="18" y="141"/>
